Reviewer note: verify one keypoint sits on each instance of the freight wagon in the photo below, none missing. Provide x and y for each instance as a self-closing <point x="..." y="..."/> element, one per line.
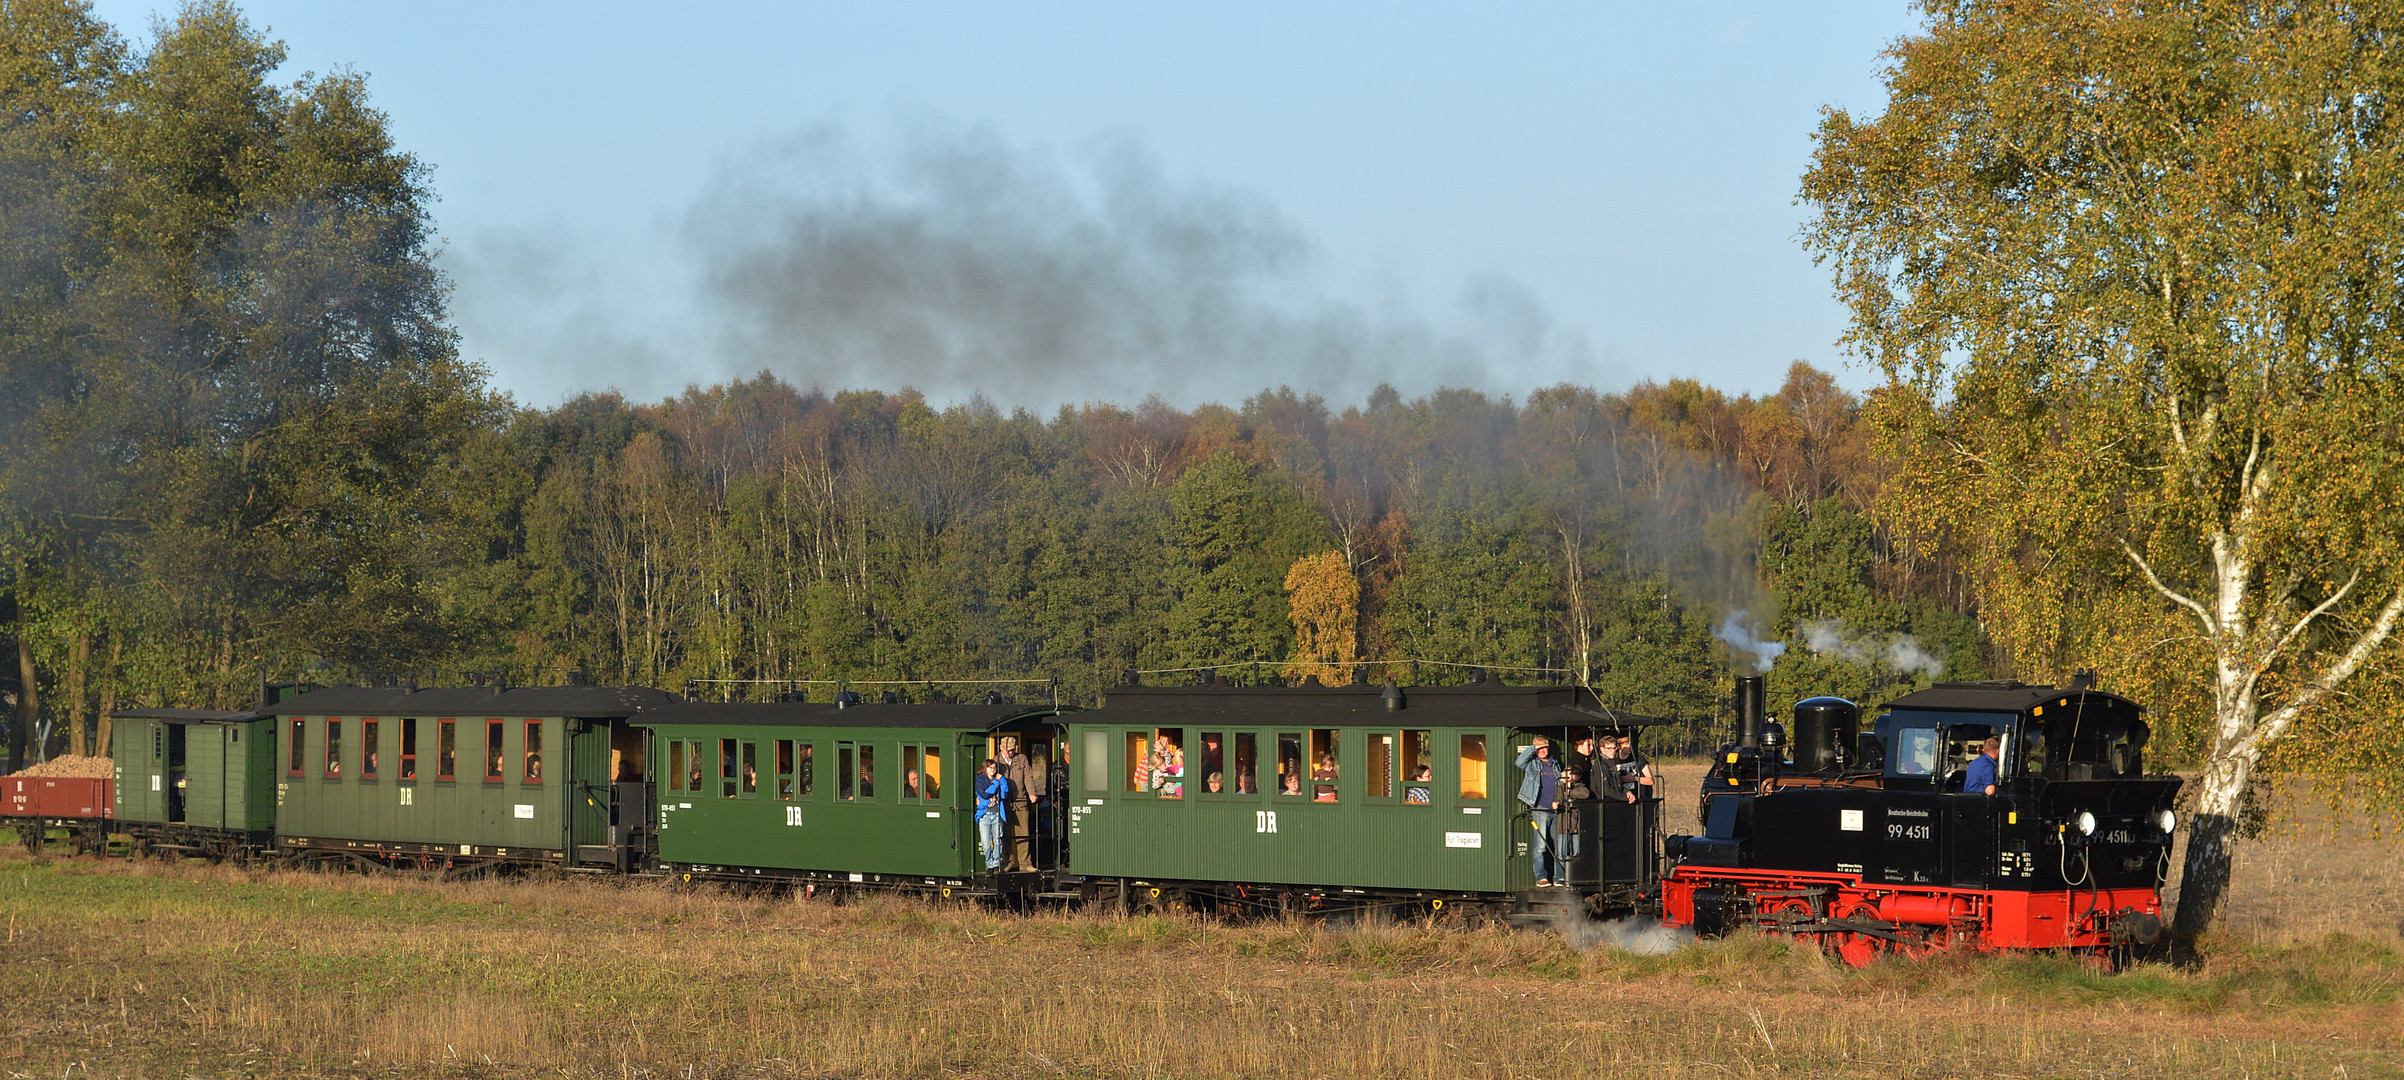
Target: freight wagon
<point x="37" y="806"/>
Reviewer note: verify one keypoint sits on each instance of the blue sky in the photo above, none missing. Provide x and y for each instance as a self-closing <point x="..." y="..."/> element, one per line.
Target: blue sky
<point x="1049" y="203"/>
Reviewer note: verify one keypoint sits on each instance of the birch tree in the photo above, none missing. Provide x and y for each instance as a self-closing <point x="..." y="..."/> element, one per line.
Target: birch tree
<point x="2131" y="271"/>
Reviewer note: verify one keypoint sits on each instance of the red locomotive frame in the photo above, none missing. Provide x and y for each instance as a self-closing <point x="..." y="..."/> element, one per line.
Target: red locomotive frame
<point x="1858" y="921"/>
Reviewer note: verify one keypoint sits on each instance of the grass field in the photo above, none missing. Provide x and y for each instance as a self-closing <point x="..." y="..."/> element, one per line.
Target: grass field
<point x="151" y="969"/>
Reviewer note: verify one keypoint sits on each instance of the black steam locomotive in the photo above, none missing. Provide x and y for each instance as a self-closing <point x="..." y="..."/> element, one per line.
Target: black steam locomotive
<point x="1870" y="841"/>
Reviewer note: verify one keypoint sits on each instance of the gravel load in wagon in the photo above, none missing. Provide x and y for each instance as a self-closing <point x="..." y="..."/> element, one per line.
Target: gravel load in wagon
<point x="74" y="766"/>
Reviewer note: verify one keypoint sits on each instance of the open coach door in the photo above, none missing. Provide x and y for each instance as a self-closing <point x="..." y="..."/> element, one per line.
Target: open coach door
<point x="1039" y="734"/>
<point x="609" y="804"/>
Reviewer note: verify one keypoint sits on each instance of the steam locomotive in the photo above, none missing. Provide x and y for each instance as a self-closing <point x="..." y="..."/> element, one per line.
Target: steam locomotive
<point x="1869" y="841"/>
<point x="1310" y="798"/>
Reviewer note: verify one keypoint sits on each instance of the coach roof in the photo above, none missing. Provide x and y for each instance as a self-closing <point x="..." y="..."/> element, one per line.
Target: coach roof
<point x="829" y="715"/>
<point x="584" y="702"/>
<point x="1482" y="705"/>
<point x="188" y="716"/>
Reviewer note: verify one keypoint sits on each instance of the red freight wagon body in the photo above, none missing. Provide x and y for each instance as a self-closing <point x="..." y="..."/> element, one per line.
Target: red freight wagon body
<point x="17" y="795"/>
<point x="73" y="797"/>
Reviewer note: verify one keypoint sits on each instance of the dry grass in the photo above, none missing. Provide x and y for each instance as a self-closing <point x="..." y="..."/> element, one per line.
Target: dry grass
<point x="163" y="970"/>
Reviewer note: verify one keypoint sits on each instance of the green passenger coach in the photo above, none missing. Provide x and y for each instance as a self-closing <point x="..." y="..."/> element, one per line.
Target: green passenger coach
<point x="463" y="776"/>
<point x="849" y="795"/>
<point x="1220" y="794"/>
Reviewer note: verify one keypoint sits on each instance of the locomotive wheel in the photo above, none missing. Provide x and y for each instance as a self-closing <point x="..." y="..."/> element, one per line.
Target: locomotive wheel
<point x="1856" y="949"/>
<point x="1789" y="916"/>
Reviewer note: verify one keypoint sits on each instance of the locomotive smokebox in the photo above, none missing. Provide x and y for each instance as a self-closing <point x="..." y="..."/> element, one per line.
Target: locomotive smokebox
<point x="1824" y="728"/>
<point x="1752" y="692"/>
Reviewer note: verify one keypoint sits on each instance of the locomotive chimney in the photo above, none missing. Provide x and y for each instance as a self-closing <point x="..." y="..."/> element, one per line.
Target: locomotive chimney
<point x="1752" y="695"/>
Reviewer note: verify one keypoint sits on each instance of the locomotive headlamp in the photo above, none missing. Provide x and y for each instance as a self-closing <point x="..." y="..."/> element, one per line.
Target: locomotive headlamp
<point x="2085" y="822"/>
<point x="2167" y="820"/>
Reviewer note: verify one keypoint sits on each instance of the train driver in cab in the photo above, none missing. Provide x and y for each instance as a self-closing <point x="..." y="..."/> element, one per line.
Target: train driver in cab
<point x="1979" y="778"/>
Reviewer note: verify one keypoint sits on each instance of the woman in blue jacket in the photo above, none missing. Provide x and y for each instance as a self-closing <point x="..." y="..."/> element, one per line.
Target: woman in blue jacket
<point x="991" y="790"/>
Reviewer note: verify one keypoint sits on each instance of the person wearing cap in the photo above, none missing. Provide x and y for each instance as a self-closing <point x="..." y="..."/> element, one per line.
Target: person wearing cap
<point x="1540" y="792"/>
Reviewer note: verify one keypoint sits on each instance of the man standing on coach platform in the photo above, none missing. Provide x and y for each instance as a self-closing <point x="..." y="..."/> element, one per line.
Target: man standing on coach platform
<point x="1021" y="804"/>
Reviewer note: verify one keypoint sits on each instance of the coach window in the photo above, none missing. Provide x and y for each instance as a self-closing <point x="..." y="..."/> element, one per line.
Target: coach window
<point x="1381" y="765"/>
<point x="1323" y="764"/>
<point x="1210" y="765"/>
<point x="1097" y="764"/>
<point x="751" y="769"/>
<point x="333" y="748"/>
<point x="1139" y="760"/>
<point x="1473" y="766"/>
<point x="368" y="730"/>
<point x="1246" y="778"/>
<point x="1418" y="768"/>
<point x="409" y="748"/>
<point x="494" y="732"/>
<point x="807" y="773"/>
<point x="300" y="736"/>
<point x="930" y="782"/>
<point x="844" y="752"/>
<point x="1289" y="763"/>
<point x="446" y="749"/>
<point x="1168" y="762"/>
<point x="676" y="765"/>
<point x="868" y="772"/>
<point x="726" y="768"/>
<point x="910" y="779"/>
<point x="784" y="770"/>
<point x="534" y="751"/>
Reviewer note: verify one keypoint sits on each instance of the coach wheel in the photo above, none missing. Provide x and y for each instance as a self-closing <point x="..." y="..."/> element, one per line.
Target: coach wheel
<point x="1856" y="949"/>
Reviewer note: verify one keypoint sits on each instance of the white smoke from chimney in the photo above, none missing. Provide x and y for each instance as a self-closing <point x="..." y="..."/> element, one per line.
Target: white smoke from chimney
<point x="1737" y="631"/>
<point x="1898" y="652"/>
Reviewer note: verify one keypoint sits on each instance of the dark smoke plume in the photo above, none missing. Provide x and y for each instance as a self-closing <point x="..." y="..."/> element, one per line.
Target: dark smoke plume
<point x="961" y="265"/>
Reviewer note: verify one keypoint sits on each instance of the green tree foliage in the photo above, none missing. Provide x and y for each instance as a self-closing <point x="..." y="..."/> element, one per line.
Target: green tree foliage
<point x="238" y="445"/>
<point x="232" y="382"/>
<point x="2131" y="271"/>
